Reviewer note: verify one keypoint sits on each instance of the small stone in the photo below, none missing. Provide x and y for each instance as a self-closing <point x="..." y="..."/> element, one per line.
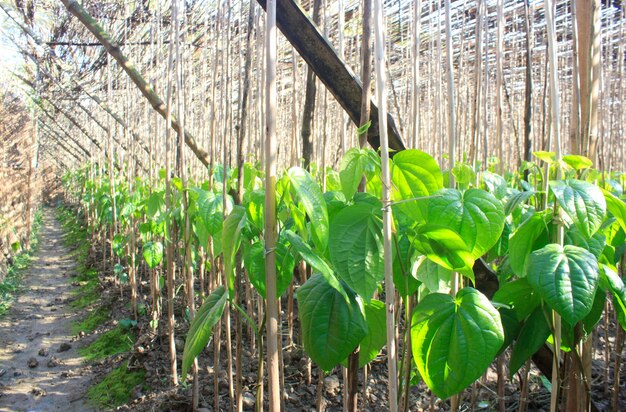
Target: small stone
<point x="17" y="373"/>
<point x="248" y="400"/>
<point x="33" y="363"/>
<point x="53" y="362"/>
<point x="43" y="352"/>
<point x="38" y="391"/>
<point x="53" y="309"/>
<point x="65" y="347"/>
<point x="331" y="384"/>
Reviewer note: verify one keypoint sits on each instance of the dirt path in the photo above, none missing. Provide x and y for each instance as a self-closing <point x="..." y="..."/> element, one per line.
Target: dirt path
<point x="38" y="371"/>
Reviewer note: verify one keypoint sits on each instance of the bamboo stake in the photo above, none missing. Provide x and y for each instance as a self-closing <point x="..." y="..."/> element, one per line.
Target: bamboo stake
<point x="381" y="96"/>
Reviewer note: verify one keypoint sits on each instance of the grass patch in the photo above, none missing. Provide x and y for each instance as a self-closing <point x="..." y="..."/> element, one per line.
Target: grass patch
<point x="116" y="387"/>
<point x="87" y="293"/>
<point x="115" y="341"/>
<point x="11" y="283"/>
<point x="96" y="318"/>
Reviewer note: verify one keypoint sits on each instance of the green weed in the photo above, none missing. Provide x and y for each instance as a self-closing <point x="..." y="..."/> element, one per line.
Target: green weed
<point x="115" y="389"/>
<point x="91" y="321"/>
<point x="115" y="341"/>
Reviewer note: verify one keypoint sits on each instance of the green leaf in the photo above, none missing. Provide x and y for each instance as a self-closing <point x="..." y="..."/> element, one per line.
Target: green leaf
<point x="376" y="336"/>
<point x="231" y="239"/>
<point x="403" y="276"/>
<point x="616" y="206"/>
<point x="444" y="247"/>
<point x="583" y="203"/>
<point x="211" y="209"/>
<point x="532" y="336"/>
<point x="202" y="326"/>
<point x="311" y="197"/>
<point x="363" y="128"/>
<point x="495" y="183"/>
<point x="153" y="253"/>
<point x="531" y="235"/>
<point x="615" y="285"/>
<point x="414" y="174"/>
<point x="477" y="216"/>
<point x="314" y="260"/>
<point x="578" y="162"/>
<point x="356" y="248"/>
<point x="435" y="277"/>
<point x="454" y="340"/>
<point x="331" y="327"/>
<point x="254" y="259"/>
<point x="354" y="164"/>
<point x="520" y="296"/>
<point x="566" y="278"/>
<point x="548" y="157"/>
<point x="517" y="199"/>
<point x="463" y="173"/>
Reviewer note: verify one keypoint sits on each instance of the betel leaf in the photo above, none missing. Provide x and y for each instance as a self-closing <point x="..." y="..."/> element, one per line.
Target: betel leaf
<point x="314" y="260"/>
<point x="435" y="277"/>
<point x="403" y="274"/>
<point x="520" y="296"/>
<point x="331" y="327"/>
<point x="414" y="174"/>
<point x="583" y="203"/>
<point x="354" y="164"/>
<point x="231" y="239"/>
<point x="566" y="278"/>
<point x="477" y="216"/>
<point x="548" y="157"/>
<point x="202" y="326"/>
<point x="444" y="247"/>
<point x="615" y="285"/>
<point x="616" y="206"/>
<point x="517" y="199"/>
<point x="153" y="253"/>
<point x="254" y="260"/>
<point x="531" y="337"/>
<point x="356" y="248"/>
<point x="578" y="162"/>
<point x="376" y="336"/>
<point x="211" y="209"/>
<point x="454" y="340"/>
<point x="531" y="235"/>
<point x="310" y="195"/>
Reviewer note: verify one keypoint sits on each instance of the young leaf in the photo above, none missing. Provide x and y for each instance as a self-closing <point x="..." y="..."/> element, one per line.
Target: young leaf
<point x="454" y="340"/>
<point x="517" y="199"/>
<point x="566" y="278"/>
<point x="583" y="203"/>
<point x="153" y="253"/>
<point x="331" y="327"/>
<point x="354" y="164"/>
<point x="310" y="196"/>
<point x="202" y="326"/>
<point x="356" y="248"/>
<point x="477" y="216"/>
<point x="578" y="162"/>
<point x="435" y="277"/>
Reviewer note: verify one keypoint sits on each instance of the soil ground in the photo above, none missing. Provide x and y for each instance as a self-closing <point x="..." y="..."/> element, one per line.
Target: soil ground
<point x="40" y="369"/>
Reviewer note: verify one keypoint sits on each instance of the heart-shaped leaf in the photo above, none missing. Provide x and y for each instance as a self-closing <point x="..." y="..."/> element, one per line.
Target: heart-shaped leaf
<point x="583" y="203"/>
<point x="414" y="174"/>
<point x="444" y="247"/>
<point x="566" y="278"/>
<point x="477" y="216"/>
<point x="532" y="336"/>
<point x="578" y="162"/>
<point x="356" y="248"/>
<point x="254" y="260"/>
<point x="153" y="253"/>
<point x="376" y="336"/>
<point x="454" y="340"/>
<point x="202" y="326"/>
<point x="354" y="164"/>
<point x="331" y="327"/>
